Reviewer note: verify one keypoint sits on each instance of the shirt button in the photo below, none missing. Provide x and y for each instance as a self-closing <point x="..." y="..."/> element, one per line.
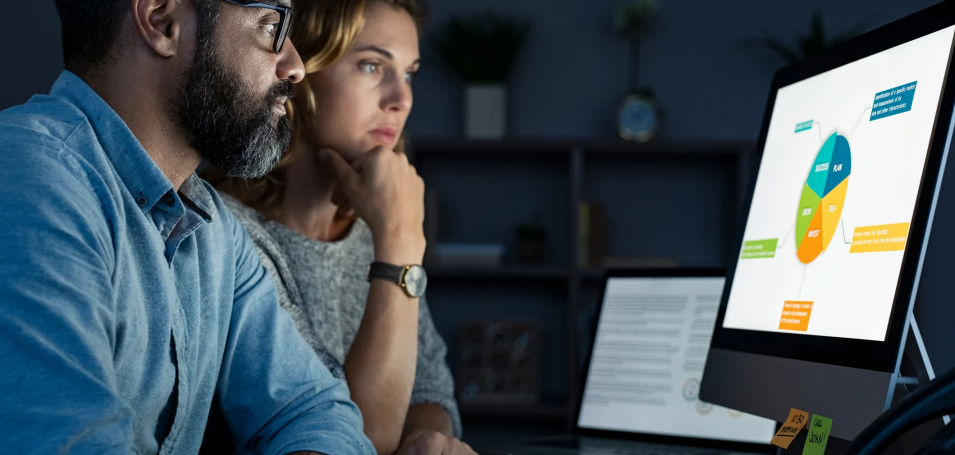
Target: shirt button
<point x="141" y="201"/>
<point x="168" y="200"/>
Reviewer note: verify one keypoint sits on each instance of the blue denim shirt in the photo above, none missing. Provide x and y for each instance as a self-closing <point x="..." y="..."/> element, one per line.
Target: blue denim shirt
<point x="127" y="307"/>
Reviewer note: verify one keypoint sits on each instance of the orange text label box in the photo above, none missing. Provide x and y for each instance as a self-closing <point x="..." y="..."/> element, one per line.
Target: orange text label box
<point x="874" y="239"/>
<point x="795" y="316"/>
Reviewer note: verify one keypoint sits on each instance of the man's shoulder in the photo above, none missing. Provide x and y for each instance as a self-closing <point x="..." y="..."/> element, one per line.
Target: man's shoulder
<point x="39" y="140"/>
<point x="44" y="121"/>
<point x="46" y="182"/>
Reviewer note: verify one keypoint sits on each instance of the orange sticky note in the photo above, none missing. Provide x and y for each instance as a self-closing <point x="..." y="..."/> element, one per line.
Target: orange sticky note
<point x="791" y="427"/>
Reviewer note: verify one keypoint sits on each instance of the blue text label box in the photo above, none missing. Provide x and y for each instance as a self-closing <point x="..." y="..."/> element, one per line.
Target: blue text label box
<point x="893" y="101"/>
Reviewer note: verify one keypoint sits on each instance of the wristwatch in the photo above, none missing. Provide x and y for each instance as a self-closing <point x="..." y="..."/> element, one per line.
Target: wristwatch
<point x="411" y="278"/>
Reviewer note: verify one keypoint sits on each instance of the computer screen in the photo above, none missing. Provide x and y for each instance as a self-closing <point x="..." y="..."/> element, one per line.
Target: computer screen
<point x="651" y="343"/>
<point x="842" y="167"/>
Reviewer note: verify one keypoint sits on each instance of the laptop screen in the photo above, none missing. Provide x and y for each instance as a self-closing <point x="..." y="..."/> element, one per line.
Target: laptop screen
<point x="653" y="335"/>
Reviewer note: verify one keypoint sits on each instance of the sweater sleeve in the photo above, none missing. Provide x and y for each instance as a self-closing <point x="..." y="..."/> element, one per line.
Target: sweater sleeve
<point x="433" y="382"/>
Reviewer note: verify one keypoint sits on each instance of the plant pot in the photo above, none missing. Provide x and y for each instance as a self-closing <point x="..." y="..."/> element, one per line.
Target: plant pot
<point x="485" y="111"/>
<point x="530" y="250"/>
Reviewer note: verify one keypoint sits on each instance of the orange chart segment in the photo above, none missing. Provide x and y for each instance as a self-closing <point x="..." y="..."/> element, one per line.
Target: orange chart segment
<point x="832" y="210"/>
<point x="811" y="246"/>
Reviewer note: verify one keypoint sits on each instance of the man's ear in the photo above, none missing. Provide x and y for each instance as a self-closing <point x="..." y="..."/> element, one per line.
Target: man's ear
<point x="160" y="24"/>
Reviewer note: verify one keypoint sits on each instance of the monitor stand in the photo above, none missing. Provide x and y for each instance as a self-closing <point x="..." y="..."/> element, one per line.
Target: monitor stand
<point x="916" y="352"/>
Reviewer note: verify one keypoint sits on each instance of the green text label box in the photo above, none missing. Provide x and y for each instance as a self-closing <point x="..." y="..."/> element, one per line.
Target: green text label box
<point x="759" y="249"/>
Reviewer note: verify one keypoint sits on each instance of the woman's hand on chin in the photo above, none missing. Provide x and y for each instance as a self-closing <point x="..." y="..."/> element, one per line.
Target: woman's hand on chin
<point x="387" y="192"/>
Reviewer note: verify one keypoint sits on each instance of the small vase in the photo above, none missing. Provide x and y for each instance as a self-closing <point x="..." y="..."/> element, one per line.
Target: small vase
<point x="485" y="111"/>
<point x="530" y="250"/>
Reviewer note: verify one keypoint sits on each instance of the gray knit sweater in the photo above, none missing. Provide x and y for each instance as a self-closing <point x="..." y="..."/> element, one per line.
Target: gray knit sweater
<point x="323" y="285"/>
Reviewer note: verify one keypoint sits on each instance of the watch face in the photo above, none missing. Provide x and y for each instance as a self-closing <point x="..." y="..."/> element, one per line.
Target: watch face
<point x="416" y="280"/>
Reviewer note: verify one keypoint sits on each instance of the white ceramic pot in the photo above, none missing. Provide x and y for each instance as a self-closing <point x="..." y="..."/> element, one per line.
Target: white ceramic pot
<point x="485" y="111"/>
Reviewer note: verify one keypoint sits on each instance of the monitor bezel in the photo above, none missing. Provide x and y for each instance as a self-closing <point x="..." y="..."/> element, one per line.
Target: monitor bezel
<point x="712" y="272"/>
<point x="854" y="353"/>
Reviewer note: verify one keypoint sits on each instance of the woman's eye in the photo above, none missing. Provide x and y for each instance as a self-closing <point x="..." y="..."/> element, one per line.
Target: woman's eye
<point x="409" y="76"/>
<point x="368" y="68"/>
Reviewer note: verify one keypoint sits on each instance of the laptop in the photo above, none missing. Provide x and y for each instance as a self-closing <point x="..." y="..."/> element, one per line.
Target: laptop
<point x="640" y="391"/>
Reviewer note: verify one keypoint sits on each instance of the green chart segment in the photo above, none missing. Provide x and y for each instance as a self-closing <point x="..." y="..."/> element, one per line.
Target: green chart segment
<point x="823" y="196"/>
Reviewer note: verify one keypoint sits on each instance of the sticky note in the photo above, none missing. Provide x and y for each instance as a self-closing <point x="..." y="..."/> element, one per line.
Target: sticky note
<point x="819" y="428"/>
<point x="796" y="420"/>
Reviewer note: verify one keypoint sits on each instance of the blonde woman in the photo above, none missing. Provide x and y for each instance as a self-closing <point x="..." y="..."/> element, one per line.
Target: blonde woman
<point x="346" y="197"/>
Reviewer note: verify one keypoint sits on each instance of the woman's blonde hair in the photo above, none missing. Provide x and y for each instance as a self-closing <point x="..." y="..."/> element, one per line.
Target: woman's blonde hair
<point x="322" y="31"/>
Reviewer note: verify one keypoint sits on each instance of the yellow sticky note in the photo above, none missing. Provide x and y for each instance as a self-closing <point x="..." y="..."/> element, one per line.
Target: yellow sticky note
<point x="796" y="420"/>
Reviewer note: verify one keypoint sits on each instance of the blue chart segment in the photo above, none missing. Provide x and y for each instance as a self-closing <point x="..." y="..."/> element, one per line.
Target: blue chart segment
<point x="839" y="166"/>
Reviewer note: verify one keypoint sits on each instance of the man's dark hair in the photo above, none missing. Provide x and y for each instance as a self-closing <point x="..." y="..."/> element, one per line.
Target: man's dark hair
<point x="91" y="28"/>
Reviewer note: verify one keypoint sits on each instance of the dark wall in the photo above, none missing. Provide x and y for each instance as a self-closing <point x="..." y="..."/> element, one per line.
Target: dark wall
<point x="571" y="74"/>
<point x="31" y="56"/>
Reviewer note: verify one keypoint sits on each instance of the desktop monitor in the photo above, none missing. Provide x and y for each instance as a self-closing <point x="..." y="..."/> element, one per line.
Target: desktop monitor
<point x="814" y="312"/>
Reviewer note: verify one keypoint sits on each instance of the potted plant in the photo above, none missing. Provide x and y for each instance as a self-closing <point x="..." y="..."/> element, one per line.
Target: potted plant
<point x="482" y="49"/>
<point x="811" y="43"/>
<point x="530" y="241"/>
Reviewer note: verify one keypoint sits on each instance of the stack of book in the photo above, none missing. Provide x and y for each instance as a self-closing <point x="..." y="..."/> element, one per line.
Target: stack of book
<point x="479" y="254"/>
<point x="590" y="242"/>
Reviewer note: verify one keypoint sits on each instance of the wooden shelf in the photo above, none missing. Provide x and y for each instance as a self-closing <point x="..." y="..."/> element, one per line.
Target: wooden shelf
<point x="592" y="274"/>
<point x="515" y="272"/>
<point x="542" y="272"/>
<point x="539" y="410"/>
<point x="595" y="147"/>
<point x="454" y="147"/>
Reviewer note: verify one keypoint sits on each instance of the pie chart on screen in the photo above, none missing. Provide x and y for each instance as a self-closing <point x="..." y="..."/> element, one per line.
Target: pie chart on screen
<point x="823" y="196"/>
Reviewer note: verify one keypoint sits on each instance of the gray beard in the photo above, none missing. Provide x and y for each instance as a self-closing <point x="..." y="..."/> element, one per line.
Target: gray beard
<point x="226" y="123"/>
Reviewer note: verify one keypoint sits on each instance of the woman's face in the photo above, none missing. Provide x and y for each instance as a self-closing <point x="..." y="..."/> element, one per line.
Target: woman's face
<point x="363" y="100"/>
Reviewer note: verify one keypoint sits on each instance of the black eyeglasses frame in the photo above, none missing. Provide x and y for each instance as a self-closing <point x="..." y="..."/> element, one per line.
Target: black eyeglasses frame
<point x="285" y="20"/>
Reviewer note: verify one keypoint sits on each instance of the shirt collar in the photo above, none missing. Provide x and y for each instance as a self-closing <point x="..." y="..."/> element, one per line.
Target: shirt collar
<point x="142" y="177"/>
<point x="197" y="197"/>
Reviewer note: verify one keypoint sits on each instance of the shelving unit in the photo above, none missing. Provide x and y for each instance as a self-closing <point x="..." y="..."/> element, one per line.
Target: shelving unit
<point x="507" y="272"/>
<point x="674" y="199"/>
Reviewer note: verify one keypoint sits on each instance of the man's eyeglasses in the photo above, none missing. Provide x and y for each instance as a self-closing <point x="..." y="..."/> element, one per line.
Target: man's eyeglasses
<point x="285" y="19"/>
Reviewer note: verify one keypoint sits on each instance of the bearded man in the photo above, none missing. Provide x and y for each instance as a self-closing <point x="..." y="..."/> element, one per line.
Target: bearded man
<point x="131" y="300"/>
